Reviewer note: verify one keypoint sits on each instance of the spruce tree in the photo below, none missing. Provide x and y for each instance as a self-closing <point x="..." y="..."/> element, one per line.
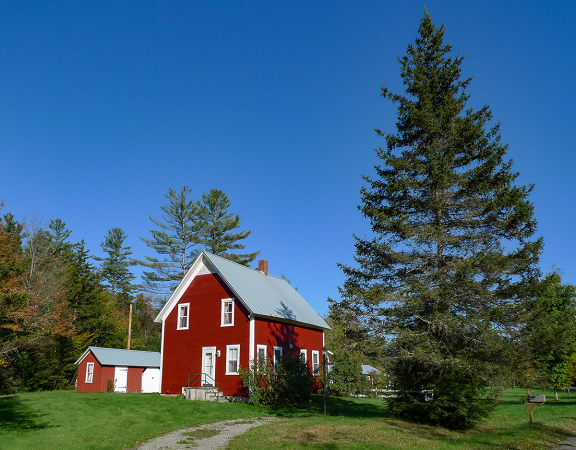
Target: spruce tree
<point x="452" y="254"/>
<point x="114" y="270"/>
<point x="176" y="240"/>
<point x="216" y="224"/>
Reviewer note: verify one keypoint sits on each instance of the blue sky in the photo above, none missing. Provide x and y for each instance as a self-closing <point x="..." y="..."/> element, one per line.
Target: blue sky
<point x="106" y="105"/>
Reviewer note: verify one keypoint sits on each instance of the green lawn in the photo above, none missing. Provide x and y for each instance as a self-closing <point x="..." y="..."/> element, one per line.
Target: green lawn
<point x="364" y="424"/>
<point x="67" y="420"/>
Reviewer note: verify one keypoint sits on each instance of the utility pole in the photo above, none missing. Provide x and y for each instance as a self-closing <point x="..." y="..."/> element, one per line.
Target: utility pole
<point x="129" y="327"/>
<point x="324" y="362"/>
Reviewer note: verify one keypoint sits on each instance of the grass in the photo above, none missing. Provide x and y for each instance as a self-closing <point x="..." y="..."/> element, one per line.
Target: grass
<point x="364" y="424"/>
<point x="68" y="420"/>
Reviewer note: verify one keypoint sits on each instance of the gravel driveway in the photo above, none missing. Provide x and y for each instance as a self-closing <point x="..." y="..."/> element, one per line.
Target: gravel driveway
<point x="205" y="437"/>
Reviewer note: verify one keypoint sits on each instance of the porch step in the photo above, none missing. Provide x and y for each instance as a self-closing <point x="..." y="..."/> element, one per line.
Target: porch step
<point x="204" y="393"/>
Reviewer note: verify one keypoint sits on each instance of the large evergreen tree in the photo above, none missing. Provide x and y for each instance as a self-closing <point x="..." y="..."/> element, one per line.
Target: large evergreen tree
<point x="176" y="240"/>
<point x="115" y="267"/>
<point x="216" y="224"/>
<point x="453" y="252"/>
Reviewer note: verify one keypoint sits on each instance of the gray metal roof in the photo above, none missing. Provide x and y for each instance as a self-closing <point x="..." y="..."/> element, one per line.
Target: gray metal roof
<point x="264" y="295"/>
<point x="367" y="370"/>
<point x="121" y="357"/>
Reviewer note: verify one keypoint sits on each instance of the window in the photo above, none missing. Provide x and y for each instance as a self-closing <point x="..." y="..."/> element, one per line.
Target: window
<point x="315" y="362"/>
<point x="227" y="312"/>
<point x="232" y="359"/>
<point x="261" y="357"/>
<point x="183" y="316"/>
<point x="277" y="356"/>
<point x="89" y="372"/>
<point x="303" y="355"/>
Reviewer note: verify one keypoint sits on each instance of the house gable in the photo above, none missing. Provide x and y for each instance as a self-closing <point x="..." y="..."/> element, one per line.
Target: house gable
<point x="262" y="295"/>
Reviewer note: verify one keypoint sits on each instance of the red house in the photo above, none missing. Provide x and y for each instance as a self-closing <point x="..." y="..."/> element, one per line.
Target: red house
<point x="124" y="370"/>
<point x="223" y="316"/>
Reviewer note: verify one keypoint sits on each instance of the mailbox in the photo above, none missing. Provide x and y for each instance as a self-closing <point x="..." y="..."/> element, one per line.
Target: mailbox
<point x="538" y="399"/>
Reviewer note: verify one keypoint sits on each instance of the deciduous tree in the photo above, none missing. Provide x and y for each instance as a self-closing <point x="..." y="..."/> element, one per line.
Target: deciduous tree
<point x="550" y="332"/>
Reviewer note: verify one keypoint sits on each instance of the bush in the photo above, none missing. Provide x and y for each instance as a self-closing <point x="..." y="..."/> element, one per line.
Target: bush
<point x="346" y="377"/>
<point x="288" y="385"/>
<point x="453" y="399"/>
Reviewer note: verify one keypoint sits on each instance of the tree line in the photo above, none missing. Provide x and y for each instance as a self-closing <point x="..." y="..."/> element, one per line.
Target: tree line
<point x="56" y="298"/>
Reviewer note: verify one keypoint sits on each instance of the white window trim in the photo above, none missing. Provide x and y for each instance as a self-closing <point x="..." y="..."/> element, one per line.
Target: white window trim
<point x="304" y="352"/>
<point x="231" y="324"/>
<point x="180" y="308"/>
<point x="228" y="348"/>
<point x="315" y="371"/>
<point x="258" y="348"/>
<point x="274" y="356"/>
<point x="89" y="379"/>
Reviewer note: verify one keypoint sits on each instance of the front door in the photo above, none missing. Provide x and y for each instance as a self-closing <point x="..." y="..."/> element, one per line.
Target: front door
<point x="208" y="366"/>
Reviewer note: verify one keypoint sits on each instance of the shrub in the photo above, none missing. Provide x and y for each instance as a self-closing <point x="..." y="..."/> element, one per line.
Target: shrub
<point x="289" y="384"/>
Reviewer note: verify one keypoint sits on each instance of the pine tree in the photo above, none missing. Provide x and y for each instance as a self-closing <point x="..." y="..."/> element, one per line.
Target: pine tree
<point x="177" y="240"/>
<point x="58" y="236"/>
<point x="216" y="224"/>
<point x="452" y="257"/>
<point x="114" y="270"/>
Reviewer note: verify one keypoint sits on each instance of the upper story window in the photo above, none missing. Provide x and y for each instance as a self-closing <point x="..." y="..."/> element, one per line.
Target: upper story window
<point x="183" y="316"/>
<point x="89" y="372"/>
<point x="227" y="312"/>
<point x="304" y="355"/>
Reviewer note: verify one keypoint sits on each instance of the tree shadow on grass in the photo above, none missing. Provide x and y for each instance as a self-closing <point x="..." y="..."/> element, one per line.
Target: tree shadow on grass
<point x="336" y="406"/>
<point x="16" y="415"/>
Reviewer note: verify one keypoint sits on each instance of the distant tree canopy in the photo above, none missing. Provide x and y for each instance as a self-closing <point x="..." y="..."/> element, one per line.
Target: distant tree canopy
<point x="453" y="255"/>
<point x="54" y="302"/>
<point x="53" y="305"/>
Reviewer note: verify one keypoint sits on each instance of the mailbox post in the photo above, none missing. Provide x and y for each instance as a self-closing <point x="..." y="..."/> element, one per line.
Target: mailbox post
<point x="533" y="402"/>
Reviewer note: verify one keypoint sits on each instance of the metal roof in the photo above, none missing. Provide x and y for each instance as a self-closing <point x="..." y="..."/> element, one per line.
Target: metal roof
<point x="264" y="295"/>
<point x="121" y="357"/>
<point x="367" y="370"/>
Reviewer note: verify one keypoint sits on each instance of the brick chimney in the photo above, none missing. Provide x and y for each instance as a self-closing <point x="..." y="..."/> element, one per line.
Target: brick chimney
<point x="263" y="266"/>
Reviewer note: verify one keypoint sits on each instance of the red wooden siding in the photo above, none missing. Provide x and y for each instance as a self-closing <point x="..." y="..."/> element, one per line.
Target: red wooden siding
<point x="271" y="333"/>
<point x="100" y="378"/>
<point x="104" y="373"/>
<point x="182" y="349"/>
<point x="135" y="379"/>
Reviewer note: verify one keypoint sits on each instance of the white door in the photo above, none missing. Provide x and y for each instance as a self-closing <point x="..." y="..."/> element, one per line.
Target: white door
<point x="151" y="380"/>
<point x="208" y="365"/>
<point x="120" y="379"/>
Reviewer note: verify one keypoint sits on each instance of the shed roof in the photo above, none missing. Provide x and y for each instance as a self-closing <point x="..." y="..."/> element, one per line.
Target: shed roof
<point x="263" y="295"/>
<point x="121" y="357"/>
<point x="367" y="370"/>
